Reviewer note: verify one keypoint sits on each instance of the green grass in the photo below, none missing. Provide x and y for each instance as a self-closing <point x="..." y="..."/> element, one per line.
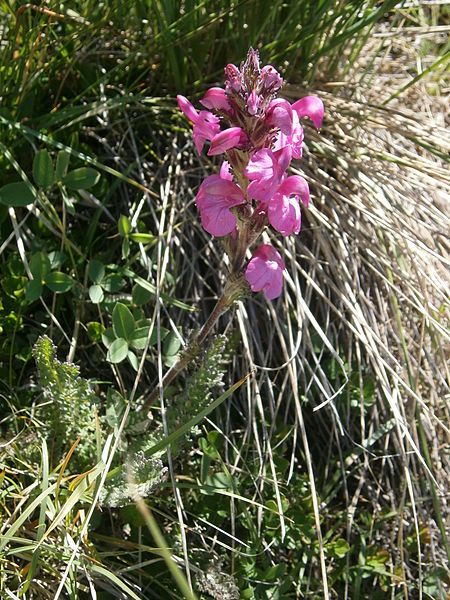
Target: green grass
<point x="306" y="453"/>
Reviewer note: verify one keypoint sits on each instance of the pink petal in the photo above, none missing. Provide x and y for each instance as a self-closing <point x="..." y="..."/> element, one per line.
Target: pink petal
<point x="312" y="107"/>
<point x="284" y="214"/>
<point x="216" y="99"/>
<point x="225" y="172"/>
<point x="225" y="140"/>
<point x="264" y="272"/>
<point x="279" y="114"/>
<point x="295" y="185"/>
<point x="187" y="108"/>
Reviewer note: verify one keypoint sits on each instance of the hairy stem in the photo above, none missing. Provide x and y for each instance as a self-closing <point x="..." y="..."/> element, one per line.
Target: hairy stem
<point x="234" y="289"/>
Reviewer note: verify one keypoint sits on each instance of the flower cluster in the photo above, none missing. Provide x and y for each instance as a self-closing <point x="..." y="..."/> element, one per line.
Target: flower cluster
<point x="259" y="134"/>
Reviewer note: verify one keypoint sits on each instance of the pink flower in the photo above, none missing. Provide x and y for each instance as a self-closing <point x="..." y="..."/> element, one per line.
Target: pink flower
<point x="312" y="107"/>
<point x="227" y="139"/>
<point x="265" y="271"/>
<point x="265" y="174"/>
<point x="284" y="211"/>
<point x="279" y="114"/>
<point x="206" y="127"/>
<point x="270" y="79"/>
<point x="214" y="199"/>
<point x="216" y="99"/>
<point x="294" y="140"/>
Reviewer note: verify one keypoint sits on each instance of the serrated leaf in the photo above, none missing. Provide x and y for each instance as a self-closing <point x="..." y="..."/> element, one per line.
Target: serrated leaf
<point x="62" y="164"/>
<point x="59" y="282"/>
<point x="81" y="179"/>
<point x="141" y="295"/>
<point x="118" y="351"/>
<point x="16" y="194"/>
<point x="123" y="321"/>
<point x="96" y="294"/>
<point x="124" y="225"/>
<point x="33" y="290"/>
<point x="39" y="265"/>
<point x="43" y="171"/>
<point x="96" y="271"/>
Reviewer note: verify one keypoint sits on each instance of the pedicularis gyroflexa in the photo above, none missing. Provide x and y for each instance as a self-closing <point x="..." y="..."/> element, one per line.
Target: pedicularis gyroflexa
<point x="259" y="134"/>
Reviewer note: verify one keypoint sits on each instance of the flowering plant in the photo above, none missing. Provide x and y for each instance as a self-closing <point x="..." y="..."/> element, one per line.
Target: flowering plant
<point x="259" y="134"/>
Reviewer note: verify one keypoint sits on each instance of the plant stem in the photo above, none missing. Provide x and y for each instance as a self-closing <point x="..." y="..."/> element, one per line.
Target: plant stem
<point x="234" y="289"/>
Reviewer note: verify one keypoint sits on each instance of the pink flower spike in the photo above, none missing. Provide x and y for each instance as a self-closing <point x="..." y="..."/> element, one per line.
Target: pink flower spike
<point x="264" y="272"/>
<point x="279" y="114"/>
<point x="284" y="214"/>
<point x="216" y="99"/>
<point x="227" y="139"/>
<point x="187" y="108"/>
<point x="214" y="199"/>
<point x="295" y="185"/>
<point x="312" y="107"/>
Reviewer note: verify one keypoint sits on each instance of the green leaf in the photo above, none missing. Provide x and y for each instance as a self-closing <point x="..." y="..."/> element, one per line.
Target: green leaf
<point x="96" y="294"/>
<point x="152" y="289"/>
<point x="141" y="295"/>
<point x="338" y="548"/>
<point x="39" y="265"/>
<point x="96" y="271"/>
<point x="81" y="179"/>
<point x="17" y="194"/>
<point x="125" y="248"/>
<point x="171" y="345"/>
<point x="59" y="282"/>
<point x="143" y="238"/>
<point x="43" y="172"/>
<point x="95" y="331"/>
<point x="123" y="321"/>
<point x="113" y="283"/>
<point x="56" y="259"/>
<point x="62" y="164"/>
<point x="139" y="337"/>
<point x="33" y="290"/>
<point x="108" y="337"/>
<point x="118" y="351"/>
<point x="133" y="359"/>
<point x="124" y="225"/>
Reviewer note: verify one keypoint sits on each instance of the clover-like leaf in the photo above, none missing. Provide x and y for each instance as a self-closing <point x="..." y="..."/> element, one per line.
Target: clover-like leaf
<point x="17" y="194"/>
<point x="81" y="179"/>
<point x="123" y="321"/>
<point x="43" y="171"/>
<point x="118" y="351"/>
